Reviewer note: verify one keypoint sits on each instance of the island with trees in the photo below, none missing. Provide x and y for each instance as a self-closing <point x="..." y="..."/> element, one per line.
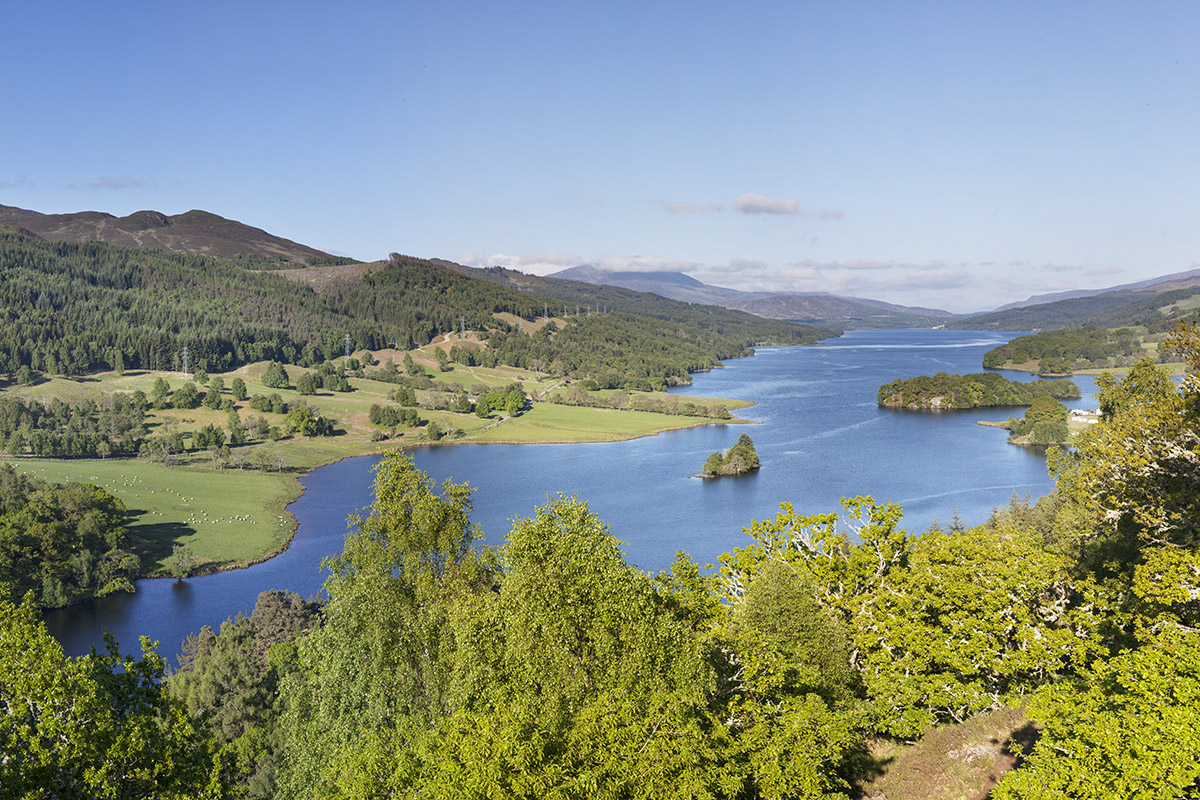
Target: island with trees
<point x="736" y="460"/>
<point x="1044" y="423"/>
<point x="944" y="392"/>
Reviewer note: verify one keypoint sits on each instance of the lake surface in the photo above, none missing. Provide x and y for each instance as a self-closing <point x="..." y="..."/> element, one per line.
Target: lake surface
<point x="820" y="436"/>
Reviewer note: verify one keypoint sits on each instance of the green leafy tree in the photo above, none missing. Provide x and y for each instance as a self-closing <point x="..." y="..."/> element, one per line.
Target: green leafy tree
<point x="231" y="680"/>
<point x="212" y="399"/>
<point x="275" y="377"/>
<point x="941" y="626"/>
<point x="1128" y="727"/>
<point x="237" y="387"/>
<point x="182" y="562"/>
<point x="308" y="383"/>
<point x="98" y="726"/>
<point x="377" y="672"/>
<point x="186" y="396"/>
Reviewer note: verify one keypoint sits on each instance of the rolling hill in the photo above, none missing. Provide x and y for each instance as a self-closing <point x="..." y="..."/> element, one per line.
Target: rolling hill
<point x="198" y="232"/>
<point x="1156" y="307"/>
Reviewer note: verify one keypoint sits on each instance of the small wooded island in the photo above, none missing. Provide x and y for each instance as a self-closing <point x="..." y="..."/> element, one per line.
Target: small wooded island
<point x="942" y="392"/>
<point x="737" y="460"/>
<point x="1044" y="423"/>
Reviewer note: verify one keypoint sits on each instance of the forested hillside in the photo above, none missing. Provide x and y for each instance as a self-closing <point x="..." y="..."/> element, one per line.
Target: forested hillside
<point x="1156" y="310"/>
<point x="71" y="308"/>
<point x="553" y="668"/>
<point x="573" y="296"/>
<point x="1063" y="351"/>
<point x="195" y="232"/>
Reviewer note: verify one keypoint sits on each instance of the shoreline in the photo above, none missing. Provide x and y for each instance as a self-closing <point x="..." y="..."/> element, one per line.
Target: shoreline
<point x="306" y="467"/>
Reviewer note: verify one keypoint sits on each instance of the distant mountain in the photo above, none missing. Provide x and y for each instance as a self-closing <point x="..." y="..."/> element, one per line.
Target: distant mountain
<point x="198" y="232"/>
<point x="577" y="295"/>
<point x="814" y="308"/>
<point x="1176" y="280"/>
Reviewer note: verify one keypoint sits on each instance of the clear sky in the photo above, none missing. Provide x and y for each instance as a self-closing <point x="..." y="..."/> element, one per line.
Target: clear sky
<point x="954" y="154"/>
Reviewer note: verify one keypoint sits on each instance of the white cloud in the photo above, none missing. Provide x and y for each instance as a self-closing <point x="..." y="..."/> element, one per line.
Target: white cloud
<point x="643" y="264"/>
<point x="539" y="263"/>
<point x="545" y="263"/>
<point x="751" y="203"/>
<point x="856" y="264"/>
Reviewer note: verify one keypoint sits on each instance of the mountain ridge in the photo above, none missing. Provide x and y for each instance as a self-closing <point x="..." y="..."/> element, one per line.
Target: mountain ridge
<point x="821" y="308"/>
<point x="195" y="231"/>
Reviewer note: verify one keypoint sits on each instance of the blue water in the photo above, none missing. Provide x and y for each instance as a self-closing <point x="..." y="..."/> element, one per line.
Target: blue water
<point x="818" y="431"/>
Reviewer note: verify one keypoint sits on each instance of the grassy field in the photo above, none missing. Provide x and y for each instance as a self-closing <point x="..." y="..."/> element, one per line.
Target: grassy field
<point x="230" y="518"/>
<point x="554" y="423"/>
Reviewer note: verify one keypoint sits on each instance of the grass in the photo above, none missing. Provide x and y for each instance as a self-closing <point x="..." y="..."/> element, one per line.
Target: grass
<point x="554" y="423"/>
<point x="235" y="517"/>
<point x="951" y="762"/>
<point x="230" y="518"/>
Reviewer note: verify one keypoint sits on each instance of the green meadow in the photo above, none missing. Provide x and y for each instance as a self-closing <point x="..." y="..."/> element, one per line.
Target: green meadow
<point x="546" y="422"/>
<point x="230" y="518"/>
<point x="235" y="516"/>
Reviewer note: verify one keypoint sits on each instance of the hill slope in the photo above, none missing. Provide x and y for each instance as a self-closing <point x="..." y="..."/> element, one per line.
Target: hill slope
<point x="1163" y="283"/>
<point x="74" y="307"/>
<point x="198" y="232"/>
<point x="1152" y="307"/>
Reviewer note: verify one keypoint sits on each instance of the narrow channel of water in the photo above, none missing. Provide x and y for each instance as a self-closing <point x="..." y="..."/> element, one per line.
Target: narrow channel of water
<point x="820" y="436"/>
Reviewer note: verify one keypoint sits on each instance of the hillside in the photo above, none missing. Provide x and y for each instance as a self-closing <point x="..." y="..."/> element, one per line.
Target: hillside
<point x="818" y="308"/>
<point x="197" y="232"/>
<point x="1176" y="280"/>
<point x="71" y="308"/>
<point x="1156" y="306"/>
<point x="574" y="295"/>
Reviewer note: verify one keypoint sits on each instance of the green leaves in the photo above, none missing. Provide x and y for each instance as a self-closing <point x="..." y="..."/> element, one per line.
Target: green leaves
<point x="1129" y="728"/>
<point x="98" y="726"/>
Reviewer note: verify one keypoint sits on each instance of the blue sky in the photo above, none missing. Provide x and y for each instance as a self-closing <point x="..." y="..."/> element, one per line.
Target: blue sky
<point x="957" y="155"/>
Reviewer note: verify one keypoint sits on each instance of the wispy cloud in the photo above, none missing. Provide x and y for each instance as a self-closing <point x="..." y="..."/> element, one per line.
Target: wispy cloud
<point x="750" y="203"/>
<point x="110" y="183"/>
<point x="18" y="183"/>
<point x="545" y="263"/>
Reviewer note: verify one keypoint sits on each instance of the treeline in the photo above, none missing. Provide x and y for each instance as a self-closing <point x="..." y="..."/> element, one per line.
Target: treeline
<point x="114" y="425"/>
<point x="1044" y="422"/>
<point x="578" y="395"/>
<point x="72" y="308"/>
<point x="554" y="668"/>
<point x="985" y="389"/>
<point x="60" y="543"/>
<point x="1062" y="352"/>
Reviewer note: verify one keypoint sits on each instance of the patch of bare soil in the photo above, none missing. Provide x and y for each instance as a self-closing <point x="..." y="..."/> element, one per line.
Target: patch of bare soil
<point x="952" y="762"/>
